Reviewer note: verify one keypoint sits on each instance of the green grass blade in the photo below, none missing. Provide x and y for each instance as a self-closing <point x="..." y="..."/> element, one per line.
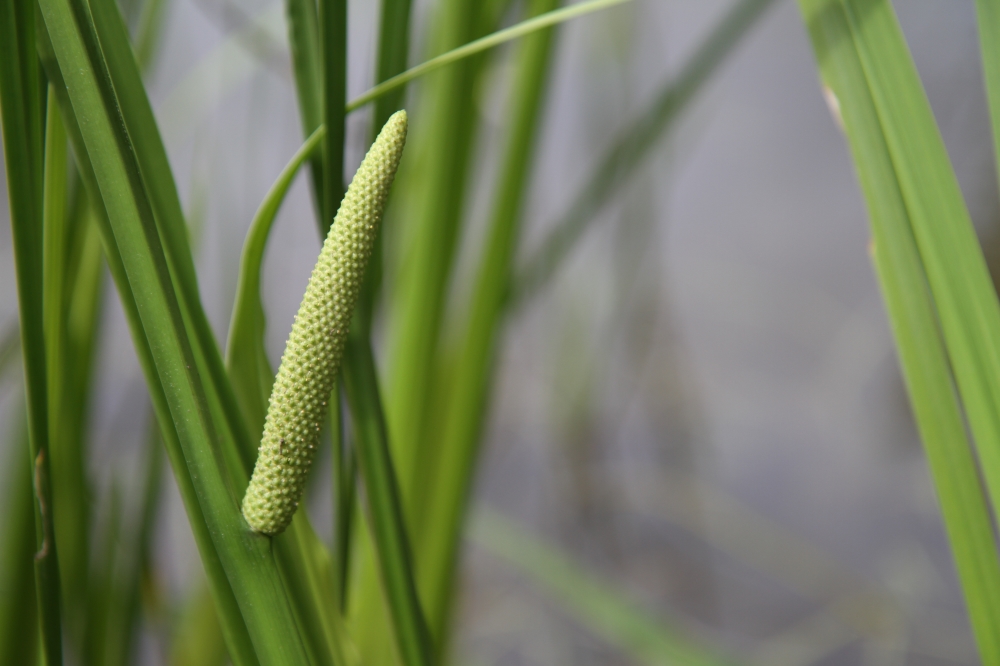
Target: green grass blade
<point x="223" y="407"/>
<point x="634" y="145"/>
<point x="953" y="260"/>
<point x="18" y="618"/>
<point x="307" y="66"/>
<point x="469" y="388"/>
<point x="308" y="607"/>
<point x="81" y="316"/>
<point x="597" y="605"/>
<point x="69" y="504"/>
<point x="344" y="469"/>
<point x="240" y="646"/>
<point x="245" y="557"/>
<point x="308" y="572"/>
<point x="157" y="177"/>
<point x="393" y="50"/>
<point x="431" y="188"/>
<point x="246" y="359"/>
<point x="437" y="177"/>
<point x="912" y="195"/>
<point x="383" y="501"/>
<point x="21" y="104"/>
<point x="237" y="637"/>
<point x="55" y="254"/>
<point x="483" y="44"/>
<point x="333" y="17"/>
<point x="988" y="21"/>
<point x="319" y="55"/>
<point x="71" y="304"/>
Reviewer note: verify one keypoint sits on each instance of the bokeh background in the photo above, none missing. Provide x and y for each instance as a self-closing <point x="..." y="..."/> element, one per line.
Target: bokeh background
<point x="702" y="411"/>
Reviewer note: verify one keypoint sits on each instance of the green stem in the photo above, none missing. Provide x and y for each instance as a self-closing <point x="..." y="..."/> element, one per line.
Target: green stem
<point x="478" y="46"/>
<point x="394" y="45"/>
<point x="21" y="104"/>
<point x="245" y="557"/>
<point x="469" y="392"/>
<point x="384" y="509"/>
<point x="307" y="66"/>
<point x="333" y="17"/>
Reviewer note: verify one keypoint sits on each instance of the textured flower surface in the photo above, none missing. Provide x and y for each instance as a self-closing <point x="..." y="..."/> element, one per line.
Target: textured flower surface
<point x="316" y="344"/>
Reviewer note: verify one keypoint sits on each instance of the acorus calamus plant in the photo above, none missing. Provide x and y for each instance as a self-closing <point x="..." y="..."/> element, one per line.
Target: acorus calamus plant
<point x="315" y="346"/>
<point x="91" y="191"/>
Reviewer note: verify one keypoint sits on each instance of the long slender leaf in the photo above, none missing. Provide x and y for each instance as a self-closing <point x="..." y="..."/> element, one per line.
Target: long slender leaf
<point x="988" y="22"/>
<point x="435" y="213"/>
<point x="244" y="556"/>
<point x="393" y="50"/>
<point x="470" y="385"/>
<point x="384" y="507"/>
<point x="158" y="179"/>
<point x="438" y="171"/>
<point x="309" y="586"/>
<point x="344" y="472"/>
<point x="931" y="270"/>
<point x="599" y="606"/>
<point x="333" y="18"/>
<point x="67" y="526"/>
<point x="151" y="156"/>
<point x="956" y="271"/>
<point x="71" y="294"/>
<point x="80" y="321"/>
<point x="240" y="645"/>
<point x="432" y="192"/>
<point x="477" y="46"/>
<point x="18" y="618"/>
<point x="307" y="65"/>
<point x="634" y="145"/>
<point x="431" y="188"/>
<point x="21" y="104"/>
<point x="293" y="556"/>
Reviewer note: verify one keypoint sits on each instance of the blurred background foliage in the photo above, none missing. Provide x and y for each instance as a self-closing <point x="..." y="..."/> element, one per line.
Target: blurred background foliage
<point x="697" y="447"/>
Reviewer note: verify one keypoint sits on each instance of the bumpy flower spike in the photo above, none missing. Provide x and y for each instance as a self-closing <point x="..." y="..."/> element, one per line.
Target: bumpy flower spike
<point x="316" y="344"/>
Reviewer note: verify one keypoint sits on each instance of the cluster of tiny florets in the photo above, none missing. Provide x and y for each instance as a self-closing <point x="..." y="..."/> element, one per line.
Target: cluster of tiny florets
<point x="313" y="352"/>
